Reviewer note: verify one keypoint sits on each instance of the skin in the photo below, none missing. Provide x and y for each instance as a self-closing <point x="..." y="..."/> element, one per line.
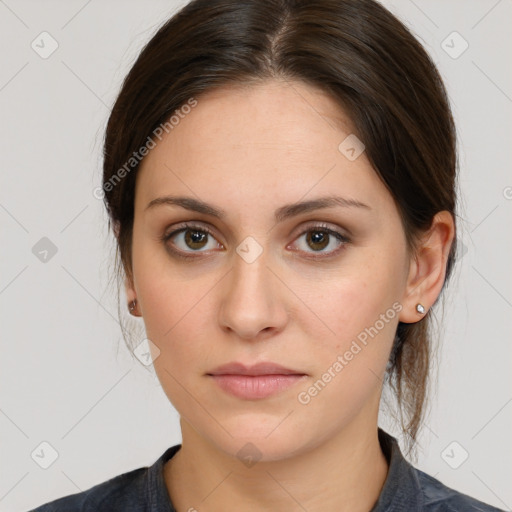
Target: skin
<point x="250" y="151"/>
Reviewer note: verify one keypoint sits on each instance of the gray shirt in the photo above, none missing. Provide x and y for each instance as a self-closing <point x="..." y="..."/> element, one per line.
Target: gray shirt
<point x="406" y="489"/>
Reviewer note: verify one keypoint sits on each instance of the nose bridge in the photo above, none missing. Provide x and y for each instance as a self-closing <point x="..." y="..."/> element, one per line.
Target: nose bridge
<point x="250" y="273"/>
<point x="251" y="302"/>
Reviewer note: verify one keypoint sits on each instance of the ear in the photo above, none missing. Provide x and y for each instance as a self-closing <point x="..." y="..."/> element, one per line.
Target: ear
<point x="131" y="295"/>
<point x="427" y="268"/>
<point x="129" y="286"/>
<point x="130" y="289"/>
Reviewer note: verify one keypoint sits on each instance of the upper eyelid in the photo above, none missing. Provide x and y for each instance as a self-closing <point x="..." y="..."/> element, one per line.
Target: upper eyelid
<point x="309" y="226"/>
<point x="306" y="226"/>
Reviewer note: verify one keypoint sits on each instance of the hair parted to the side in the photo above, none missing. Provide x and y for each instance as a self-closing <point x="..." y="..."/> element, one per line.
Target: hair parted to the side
<point x="354" y="50"/>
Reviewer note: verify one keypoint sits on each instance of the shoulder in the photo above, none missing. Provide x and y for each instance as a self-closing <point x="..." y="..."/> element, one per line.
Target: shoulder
<point x="440" y="498"/>
<point x="138" y="490"/>
<point x="408" y="488"/>
<point x="122" y="492"/>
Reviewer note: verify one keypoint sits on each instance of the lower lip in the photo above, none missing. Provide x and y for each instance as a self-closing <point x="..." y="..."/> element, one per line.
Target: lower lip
<point x="254" y="387"/>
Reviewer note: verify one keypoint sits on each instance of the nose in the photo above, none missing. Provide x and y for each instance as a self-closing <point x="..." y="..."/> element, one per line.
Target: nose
<point x="253" y="303"/>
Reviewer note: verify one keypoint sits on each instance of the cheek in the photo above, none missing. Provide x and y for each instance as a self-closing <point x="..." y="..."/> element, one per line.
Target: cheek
<point x="350" y="364"/>
<point x="174" y="310"/>
<point x="363" y="320"/>
<point x="177" y="321"/>
<point x="177" y="313"/>
<point x="355" y="300"/>
<point x="361" y="310"/>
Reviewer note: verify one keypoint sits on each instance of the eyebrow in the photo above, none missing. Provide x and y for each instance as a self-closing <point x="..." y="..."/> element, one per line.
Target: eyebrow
<point x="281" y="214"/>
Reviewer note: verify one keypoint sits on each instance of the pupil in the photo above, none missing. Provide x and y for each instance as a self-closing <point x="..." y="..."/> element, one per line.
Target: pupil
<point x="195" y="237"/>
<point x="319" y="237"/>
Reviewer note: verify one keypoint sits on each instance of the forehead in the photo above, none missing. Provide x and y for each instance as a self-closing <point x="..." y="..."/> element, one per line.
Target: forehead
<point x="272" y="139"/>
<point x="267" y="114"/>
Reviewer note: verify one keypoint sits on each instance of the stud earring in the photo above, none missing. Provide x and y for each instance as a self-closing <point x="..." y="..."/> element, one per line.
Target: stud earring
<point x="420" y="309"/>
<point x="132" y="305"/>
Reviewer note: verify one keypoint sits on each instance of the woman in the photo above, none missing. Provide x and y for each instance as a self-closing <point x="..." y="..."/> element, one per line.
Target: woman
<point x="280" y="177"/>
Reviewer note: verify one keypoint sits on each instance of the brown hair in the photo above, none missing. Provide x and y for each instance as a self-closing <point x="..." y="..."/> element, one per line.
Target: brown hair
<point x="357" y="52"/>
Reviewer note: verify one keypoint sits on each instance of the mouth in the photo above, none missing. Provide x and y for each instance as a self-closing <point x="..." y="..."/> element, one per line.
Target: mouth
<point x="255" y="382"/>
<point x="259" y="369"/>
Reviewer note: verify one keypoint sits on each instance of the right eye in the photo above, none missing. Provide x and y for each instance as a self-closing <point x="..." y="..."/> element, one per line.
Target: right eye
<point x="190" y="238"/>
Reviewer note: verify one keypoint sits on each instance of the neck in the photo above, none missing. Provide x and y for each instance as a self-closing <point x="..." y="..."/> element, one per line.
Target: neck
<point x="344" y="473"/>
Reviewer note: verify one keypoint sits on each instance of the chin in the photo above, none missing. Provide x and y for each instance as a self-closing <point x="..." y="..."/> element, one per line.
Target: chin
<point x="252" y="450"/>
<point x="260" y="438"/>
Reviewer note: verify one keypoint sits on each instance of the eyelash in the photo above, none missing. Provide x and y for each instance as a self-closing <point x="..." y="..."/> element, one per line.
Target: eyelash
<point x="204" y="229"/>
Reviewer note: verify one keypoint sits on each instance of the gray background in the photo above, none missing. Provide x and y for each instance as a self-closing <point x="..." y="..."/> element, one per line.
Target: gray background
<point x="66" y="376"/>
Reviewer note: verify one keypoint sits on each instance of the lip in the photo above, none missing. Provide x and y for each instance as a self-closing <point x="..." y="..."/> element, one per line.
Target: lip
<point x="255" y="387"/>
<point x="255" y="382"/>
<point x="263" y="368"/>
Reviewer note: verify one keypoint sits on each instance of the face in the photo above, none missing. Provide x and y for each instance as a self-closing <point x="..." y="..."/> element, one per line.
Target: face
<point x="316" y="290"/>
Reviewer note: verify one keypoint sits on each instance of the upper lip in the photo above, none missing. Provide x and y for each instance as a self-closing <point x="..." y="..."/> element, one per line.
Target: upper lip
<point x="263" y="368"/>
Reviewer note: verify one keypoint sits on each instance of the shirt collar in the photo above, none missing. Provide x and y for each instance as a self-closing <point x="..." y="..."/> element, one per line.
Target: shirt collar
<point x="401" y="491"/>
<point x="158" y="498"/>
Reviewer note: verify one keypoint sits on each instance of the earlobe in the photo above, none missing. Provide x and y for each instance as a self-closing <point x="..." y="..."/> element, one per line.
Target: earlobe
<point x="131" y="296"/>
<point x="132" y="307"/>
<point x="427" y="270"/>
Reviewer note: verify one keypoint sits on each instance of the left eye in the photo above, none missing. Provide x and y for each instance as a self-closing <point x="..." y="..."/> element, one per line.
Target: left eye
<point x="320" y="238"/>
